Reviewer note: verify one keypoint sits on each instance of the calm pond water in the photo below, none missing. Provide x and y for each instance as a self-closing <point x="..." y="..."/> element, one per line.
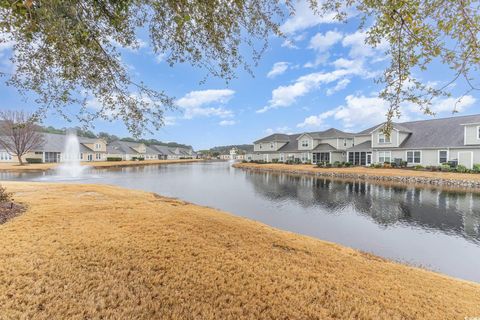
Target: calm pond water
<point x="436" y="229"/>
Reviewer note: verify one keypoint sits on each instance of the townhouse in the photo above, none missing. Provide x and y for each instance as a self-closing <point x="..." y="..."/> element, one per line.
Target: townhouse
<point x="322" y="146"/>
<point x="425" y="142"/>
<point x="93" y="149"/>
<point x="52" y="146"/>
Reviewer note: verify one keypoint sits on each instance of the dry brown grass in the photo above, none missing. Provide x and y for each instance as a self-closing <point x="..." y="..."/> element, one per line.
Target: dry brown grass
<point x="94" y="164"/>
<point x="91" y="252"/>
<point x="308" y="168"/>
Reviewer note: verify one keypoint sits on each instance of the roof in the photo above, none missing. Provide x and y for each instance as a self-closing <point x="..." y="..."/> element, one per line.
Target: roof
<point x="324" y="147"/>
<point x="291" y="145"/>
<point x="432" y="133"/>
<point x="364" y="146"/>
<point x="275" y="137"/>
<point x="330" y="133"/>
<point x="122" y="147"/>
<point x="398" y="126"/>
<point x="53" y="142"/>
<point x="441" y="133"/>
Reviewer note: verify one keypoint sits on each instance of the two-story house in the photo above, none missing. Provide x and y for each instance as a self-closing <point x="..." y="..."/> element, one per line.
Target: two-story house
<point x="323" y="146"/>
<point x="425" y="142"/>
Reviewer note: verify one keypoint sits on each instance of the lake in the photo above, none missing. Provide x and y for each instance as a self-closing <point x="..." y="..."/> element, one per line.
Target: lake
<point x="433" y="228"/>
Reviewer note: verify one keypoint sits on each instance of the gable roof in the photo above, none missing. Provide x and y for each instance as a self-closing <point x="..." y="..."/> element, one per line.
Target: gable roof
<point x="275" y="137"/>
<point x="432" y="133"/>
<point x="364" y="146"/>
<point x="330" y="133"/>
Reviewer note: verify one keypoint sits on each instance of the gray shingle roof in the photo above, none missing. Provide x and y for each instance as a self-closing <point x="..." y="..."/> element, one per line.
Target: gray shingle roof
<point x="433" y="133"/>
<point x="53" y="142"/>
<point x="441" y="133"/>
<point x="122" y="147"/>
<point x="364" y="146"/>
<point x="324" y="147"/>
<point x="292" y="144"/>
<point x="330" y="133"/>
<point x="275" y="137"/>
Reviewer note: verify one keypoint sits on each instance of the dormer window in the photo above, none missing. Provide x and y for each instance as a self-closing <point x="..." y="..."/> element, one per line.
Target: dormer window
<point x="383" y="138"/>
<point x="305" y="143"/>
<point x="97" y="146"/>
<point x="271" y="145"/>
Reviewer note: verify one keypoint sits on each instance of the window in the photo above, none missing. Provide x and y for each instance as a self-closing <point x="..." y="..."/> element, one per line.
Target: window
<point x="38" y="152"/>
<point x="271" y="145"/>
<point x="344" y="142"/>
<point x="5" y="156"/>
<point x="304" y="143"/>
<point x="383" y="138"/>
<point x="384" y="156"/>
<point x="81" y="156"/>
<point x="98" y="156"/>
<point x="442" y="156"/>
<point x="414" y="157"/>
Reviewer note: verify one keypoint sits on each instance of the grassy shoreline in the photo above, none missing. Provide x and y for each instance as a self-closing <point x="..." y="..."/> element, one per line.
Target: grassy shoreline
<point x="361" y="172"/>
<point x="118" y="253"/>
<point x="13" y="167"/>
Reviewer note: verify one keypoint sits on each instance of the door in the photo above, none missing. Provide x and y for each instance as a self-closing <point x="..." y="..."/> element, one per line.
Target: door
<point x="369" y="159"/>
<point x="465" y="158"/>
<point x="90" y="157"/>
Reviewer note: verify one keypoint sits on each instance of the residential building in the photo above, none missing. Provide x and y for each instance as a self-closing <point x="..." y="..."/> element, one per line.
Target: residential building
<point x="52" y="146"/>
<point x="130" y="150"/>
<point x="425" y="142"/>
<point x="322" y="146"/>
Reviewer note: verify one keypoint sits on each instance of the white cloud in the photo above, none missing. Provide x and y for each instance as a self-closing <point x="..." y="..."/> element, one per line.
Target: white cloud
<point x="170" y="121"/>
<point x="284" y="129"/>
<point x="357" y="112"/>
<point x="450" y="104"/>
<point x="284" y="96"/>
<point x="322" y="42"/>
<point x="198" y="103"/>
<point x="160" y="57"/>
<point x="305" y="18"/>
<point x="342" y="84"/>
<point x="278" y="69"/>
<point x="360" y="49"/>
<point x="227" y="123"/>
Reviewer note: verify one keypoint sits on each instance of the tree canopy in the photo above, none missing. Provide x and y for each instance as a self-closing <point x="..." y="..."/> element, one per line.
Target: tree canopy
<point x="66" y="51"/>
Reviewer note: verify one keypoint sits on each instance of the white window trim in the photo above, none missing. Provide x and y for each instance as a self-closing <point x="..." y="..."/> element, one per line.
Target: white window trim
<point x="384" y="138"/>
<point x="478" y="132"/>
<point x="416" y="163"/>
<point x="438" y="155"/>
<point x="384" y="153"/>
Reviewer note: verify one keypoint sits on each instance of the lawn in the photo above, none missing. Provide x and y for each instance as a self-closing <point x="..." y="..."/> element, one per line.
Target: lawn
<point x="91" y="252"/>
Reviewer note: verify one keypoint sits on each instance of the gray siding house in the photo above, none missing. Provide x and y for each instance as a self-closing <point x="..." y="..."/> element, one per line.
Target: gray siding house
<point x="426" y="142"/>
<point x="322" y="146"/>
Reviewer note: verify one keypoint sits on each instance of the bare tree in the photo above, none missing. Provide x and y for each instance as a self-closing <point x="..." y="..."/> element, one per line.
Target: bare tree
<point x="19" y="133"/>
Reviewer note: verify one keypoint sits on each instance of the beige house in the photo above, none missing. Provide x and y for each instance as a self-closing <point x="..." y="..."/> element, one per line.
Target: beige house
<point x="52" y="147"/>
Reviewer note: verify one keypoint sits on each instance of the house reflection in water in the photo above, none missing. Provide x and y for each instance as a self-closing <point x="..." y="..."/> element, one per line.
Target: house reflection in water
<point x="452" y="212"/>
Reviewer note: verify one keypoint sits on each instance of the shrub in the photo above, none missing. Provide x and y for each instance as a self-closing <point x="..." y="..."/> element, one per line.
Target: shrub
<point x="114" y="159"/>
<point x="307" y="162"/>
<point x="5" y="196"/>
<point x="476" y="168"/>
<point x="337" y="164"/>
<point x="34" y="160"/>
<point x="462" y="169"/>
<point x="347" y="164"/>
<point x="404" y="164"/>
<point x="419" y="167"/>
<point x="297" y="161"/>
<point x="274" y="160"/>
<point x="377" y="165"/>
<point x="387" y="165"/>
<point x="328" y="165"/>
<point x="445" y="167"/>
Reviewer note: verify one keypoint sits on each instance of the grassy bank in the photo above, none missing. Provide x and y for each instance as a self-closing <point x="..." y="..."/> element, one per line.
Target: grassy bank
<point x="89" y="251"/>
<point x="361" y="171"/>
<point x="94" y="164"/>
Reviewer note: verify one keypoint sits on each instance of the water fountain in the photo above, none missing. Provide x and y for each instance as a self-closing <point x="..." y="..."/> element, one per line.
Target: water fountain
<point x="71" y="167"/>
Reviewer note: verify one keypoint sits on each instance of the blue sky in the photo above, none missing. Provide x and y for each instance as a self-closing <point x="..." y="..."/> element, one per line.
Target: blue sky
<point x="321" y="76"/>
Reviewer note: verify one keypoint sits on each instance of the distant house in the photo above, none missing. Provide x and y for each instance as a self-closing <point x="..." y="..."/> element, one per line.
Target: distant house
<point x="130" y="150"/>
<point x="321" y="146"/>
<point x="52" y="148"/>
